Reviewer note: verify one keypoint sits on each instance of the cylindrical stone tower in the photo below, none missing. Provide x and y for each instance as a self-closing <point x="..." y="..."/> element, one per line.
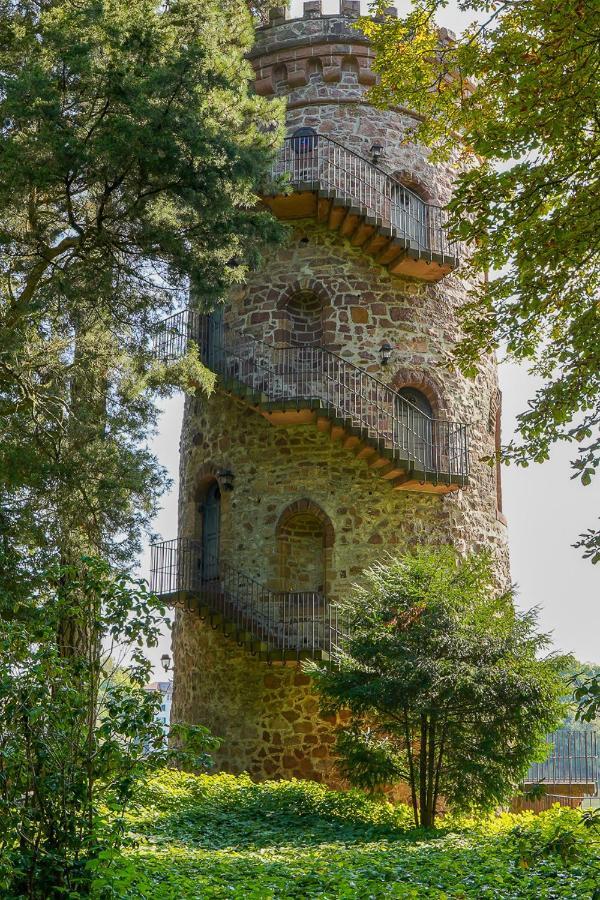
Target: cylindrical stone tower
<point x="336" y="433"/>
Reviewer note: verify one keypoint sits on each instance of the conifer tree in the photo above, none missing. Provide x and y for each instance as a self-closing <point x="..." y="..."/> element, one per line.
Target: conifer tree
<point x="131" y="151"/>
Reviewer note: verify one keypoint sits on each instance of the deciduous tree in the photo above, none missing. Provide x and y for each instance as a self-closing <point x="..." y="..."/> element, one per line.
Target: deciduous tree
<point x="519" y="89"/>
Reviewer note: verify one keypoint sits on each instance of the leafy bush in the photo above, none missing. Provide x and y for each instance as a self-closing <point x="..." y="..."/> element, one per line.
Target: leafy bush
<point x="224" y="836"/>
<point x="77" y="730"/>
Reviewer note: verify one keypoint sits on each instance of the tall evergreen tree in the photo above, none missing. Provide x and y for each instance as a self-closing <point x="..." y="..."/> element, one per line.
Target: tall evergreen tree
<point x="131" y="151"/>
<point x="448" y="685"/>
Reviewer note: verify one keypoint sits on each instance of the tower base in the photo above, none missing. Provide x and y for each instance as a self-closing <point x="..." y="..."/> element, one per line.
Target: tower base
<point x="267" y="716"/>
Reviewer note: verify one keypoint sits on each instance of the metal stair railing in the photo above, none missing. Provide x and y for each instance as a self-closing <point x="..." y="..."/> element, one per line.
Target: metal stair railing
<point x="316" y="162"/>
<point x="434" y="448"/>
<point x="293" y="622"/>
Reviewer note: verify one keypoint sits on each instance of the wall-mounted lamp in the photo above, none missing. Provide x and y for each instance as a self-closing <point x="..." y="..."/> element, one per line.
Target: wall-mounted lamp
<point x="165" y="662"/>
<point x="226" y="479"/>
<point x="385" y="353"/>
<point x="376" y="152"/>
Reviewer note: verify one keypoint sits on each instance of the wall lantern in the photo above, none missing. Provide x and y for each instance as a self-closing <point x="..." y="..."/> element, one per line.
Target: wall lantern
<point x="226" y="479"/>
<point x="376" y="153"/>
<point x="165" y="662"/>
<point x="385" y="353"/>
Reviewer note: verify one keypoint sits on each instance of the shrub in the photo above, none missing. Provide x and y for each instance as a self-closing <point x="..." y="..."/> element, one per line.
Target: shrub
<point x="444" y="681"/>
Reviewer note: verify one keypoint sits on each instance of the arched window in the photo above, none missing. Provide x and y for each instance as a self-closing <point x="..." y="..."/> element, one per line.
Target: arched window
<point x="305" y="157"/>
<point x="410" y="215"/>
<point x="210" y="511"/>
<point x="304" y="539"/>
<point x="415" y="427"/>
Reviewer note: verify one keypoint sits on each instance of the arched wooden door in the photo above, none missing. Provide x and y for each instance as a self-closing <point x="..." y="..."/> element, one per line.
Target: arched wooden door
<point x="211" y="527"/>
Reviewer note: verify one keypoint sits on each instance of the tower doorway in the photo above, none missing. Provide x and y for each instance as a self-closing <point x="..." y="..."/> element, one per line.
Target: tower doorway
<point x="409" y="215"/>
<point x="211" y="528"/>
<point x="415" y="419"/>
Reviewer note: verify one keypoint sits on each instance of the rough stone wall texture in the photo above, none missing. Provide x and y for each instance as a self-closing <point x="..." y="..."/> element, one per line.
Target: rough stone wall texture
<point x="320" y="289"/>
<point x="267" y="715"/>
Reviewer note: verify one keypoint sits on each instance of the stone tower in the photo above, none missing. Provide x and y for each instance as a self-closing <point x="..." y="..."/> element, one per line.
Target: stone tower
<point x="336" y="433"/>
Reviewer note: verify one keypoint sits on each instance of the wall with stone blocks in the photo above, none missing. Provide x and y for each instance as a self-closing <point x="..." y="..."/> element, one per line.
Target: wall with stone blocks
<point x="267" y="716"/>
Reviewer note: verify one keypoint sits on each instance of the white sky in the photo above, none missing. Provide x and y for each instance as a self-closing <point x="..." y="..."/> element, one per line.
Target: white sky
<point x="546" y="510"/>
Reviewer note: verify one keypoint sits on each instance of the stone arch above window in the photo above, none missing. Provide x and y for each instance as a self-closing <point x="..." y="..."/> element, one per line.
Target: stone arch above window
<point x="426" y="384"/>
<point x="417" y="399"/>
<point x="414" y="183"/>
<point x="307" y="506"/>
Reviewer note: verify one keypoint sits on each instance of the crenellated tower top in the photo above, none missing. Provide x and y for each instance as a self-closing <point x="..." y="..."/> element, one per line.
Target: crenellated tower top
<point x="288" y="52"/>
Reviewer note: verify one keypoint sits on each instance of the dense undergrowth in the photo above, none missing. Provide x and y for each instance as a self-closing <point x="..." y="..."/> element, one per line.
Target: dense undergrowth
<point x="222" y="836"/>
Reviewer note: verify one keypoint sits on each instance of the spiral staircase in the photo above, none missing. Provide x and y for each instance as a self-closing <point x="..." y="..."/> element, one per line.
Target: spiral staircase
<point x="314" y="176"/>
<point x="310" y="386"/>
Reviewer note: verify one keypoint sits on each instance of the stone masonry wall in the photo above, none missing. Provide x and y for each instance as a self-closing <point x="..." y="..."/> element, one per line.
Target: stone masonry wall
<point x="267" y="716"/>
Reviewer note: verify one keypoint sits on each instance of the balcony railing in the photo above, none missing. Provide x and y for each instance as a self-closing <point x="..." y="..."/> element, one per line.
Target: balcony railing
<point x="434" y="448"/>
<point x="315" y="162"/>
<point x="292" y="625"/>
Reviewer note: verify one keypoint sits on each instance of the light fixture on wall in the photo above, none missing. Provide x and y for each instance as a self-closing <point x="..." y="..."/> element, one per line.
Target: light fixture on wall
<point x="165" y="662"/>
<point x="376" y="152"/>
<point x="226" y="479"/>
<point x="385" y="353"/>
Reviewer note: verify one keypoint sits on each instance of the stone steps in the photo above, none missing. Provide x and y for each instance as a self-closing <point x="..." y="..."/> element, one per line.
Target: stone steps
<point x="377" y="238"/>
<point x="400" y="472"/>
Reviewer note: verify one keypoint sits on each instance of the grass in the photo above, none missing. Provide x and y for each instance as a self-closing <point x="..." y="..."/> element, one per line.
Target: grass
<point x="223" y="836"/>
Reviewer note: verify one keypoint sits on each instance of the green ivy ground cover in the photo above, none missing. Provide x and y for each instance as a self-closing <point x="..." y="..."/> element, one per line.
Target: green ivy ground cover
<point x="225" y="837"/>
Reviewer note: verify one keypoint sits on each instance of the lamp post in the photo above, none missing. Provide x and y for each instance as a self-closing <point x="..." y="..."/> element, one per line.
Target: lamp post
<point x="165" y="662"/>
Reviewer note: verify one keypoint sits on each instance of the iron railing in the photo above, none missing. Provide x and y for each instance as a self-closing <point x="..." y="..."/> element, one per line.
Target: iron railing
<point x="318" y="163"/>
<point x="570" y="776"/>
<point x="292" y="623"/>
<point x="436" y="448"/>
<point x="573" y="759"/>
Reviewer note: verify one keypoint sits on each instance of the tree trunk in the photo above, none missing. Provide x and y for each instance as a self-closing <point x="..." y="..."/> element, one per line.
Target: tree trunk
<point x="411" y="768"/>
<point x="423" y="774"/>
<point x="431" y="772"/>
<point x="80" y="529"/>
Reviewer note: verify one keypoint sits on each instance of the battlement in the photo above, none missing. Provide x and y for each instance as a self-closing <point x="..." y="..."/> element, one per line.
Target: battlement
<point x="313" y="9"/>
<point x="288" y="49"/>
